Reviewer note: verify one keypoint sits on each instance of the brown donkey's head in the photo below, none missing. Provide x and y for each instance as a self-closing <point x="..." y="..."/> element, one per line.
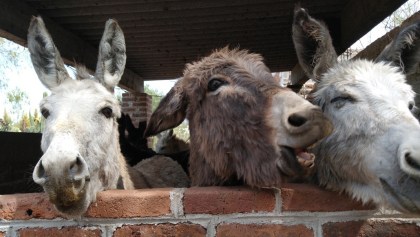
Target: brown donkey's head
<point x="243" y="126"/>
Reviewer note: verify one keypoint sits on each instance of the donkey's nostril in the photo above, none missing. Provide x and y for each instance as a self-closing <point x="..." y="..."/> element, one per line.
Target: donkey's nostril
<point x="76" y="166"/>
<point x="296" y="120"/>
<point x="78" y="173"/>
<point x="40" y="172"/>
<point x="411" y="161"/>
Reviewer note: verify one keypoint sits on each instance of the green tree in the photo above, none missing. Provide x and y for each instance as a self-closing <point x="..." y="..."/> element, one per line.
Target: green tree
<point x="17" y="98"/>
<point x="24" y="123"/>
<point x="37" y="122"/>
<point x="9" y="58"/>
<point x="400" y="15"/>
<point x="156" y="96"/>
<point x="6" y="122"/>
<point x="182" y="131"/>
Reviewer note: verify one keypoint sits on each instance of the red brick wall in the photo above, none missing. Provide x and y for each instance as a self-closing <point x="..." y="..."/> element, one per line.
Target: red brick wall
<point x="292" y="210"/>
<point x="137" y="105"/>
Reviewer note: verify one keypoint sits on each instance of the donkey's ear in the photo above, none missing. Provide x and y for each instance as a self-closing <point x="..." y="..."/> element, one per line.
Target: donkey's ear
<point x="142" y="127"/>
<point x="111" y="57"/>
<point x="170" y="112"/>
<point x="46" y="59"/>
<point x="313" y="44"/>
<point x="404" y="50"/>
<point x="129" y="124"/>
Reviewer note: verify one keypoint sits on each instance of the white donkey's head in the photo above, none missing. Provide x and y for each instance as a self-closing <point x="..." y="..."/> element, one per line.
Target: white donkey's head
<point x="80" y="138"/>
<point x="374" y="150"/>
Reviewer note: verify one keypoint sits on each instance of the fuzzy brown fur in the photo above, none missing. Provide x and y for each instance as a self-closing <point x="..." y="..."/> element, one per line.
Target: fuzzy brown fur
<point x="232" y="132"/>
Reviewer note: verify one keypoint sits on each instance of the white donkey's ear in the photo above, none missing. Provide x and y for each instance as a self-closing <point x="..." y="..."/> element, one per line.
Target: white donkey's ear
<point x="404" y="50"/>
<point x="313" y="44"/>
<point x="46" y="59"/>
<point x="111" y="58"/>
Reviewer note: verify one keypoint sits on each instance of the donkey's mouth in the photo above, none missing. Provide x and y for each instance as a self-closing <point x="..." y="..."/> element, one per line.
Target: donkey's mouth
<point x="301" y="154"/>
<point x="296" y="162"/>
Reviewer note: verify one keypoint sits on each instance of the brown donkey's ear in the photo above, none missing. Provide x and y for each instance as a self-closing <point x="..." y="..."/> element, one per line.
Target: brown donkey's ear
<point x="313" y="44"/>
<point x="170" y="112"/>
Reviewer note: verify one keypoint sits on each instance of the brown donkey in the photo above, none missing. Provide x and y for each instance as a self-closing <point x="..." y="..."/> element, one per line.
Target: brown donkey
<point x="243" y="126"/>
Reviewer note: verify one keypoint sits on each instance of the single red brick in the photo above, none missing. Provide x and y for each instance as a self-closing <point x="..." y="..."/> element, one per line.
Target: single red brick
<point x="128" y="99"/>
<point x="167" y="230"/>
<point x="129" y="109"/>
<point x="131" y="203"/>
<point x="140" y="104"/>
<point x="306" y="197"/>
<point x="371" y="228"/>
<point x="59" y="232"/>
<point x="269" y="230"/>
<point x="26" y="206"/>
<point x="224" y="200"/>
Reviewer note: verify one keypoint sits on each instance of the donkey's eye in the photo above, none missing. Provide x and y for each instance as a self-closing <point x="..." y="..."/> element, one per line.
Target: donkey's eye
<point x="45" y="112"/>
<point x="107" y="112"/>
<point x="411" y="105"/>
<point x="215" y="83"/>
<point x="342" y="99"/>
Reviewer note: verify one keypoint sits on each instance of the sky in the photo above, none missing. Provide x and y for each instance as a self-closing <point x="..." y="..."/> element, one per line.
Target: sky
<point x="24" y="76"/>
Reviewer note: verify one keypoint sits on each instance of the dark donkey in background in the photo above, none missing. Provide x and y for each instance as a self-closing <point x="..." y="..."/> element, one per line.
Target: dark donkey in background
<point x="135" y="147"/>
<point x="374" y="151"/>
<point x="243" y="126"/>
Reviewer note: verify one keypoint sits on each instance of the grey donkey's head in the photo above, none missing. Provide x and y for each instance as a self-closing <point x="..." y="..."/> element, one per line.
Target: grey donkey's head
<point x="374" y="151"/>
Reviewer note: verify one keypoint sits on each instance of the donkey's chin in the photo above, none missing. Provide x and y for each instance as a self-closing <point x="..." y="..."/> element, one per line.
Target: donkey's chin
<point x="405" y="201"/>
<point x="69" y="202"/>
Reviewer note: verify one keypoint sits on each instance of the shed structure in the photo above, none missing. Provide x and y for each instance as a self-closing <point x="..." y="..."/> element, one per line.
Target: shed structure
<point x="163" y="35"/>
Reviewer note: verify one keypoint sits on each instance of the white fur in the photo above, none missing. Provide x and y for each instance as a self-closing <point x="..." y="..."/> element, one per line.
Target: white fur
<point x="379" y="121"/>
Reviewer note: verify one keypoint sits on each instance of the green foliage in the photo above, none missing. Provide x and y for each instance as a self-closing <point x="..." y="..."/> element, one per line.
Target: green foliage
<point x="10" y="54"/>
<point x="156" y="96"/>
<point x="182" y="131"/>
<point x="17" y="98"/>
<point x="6" y="122"/>
<point x="400" y="15"/>
<point x="26" y="123"/>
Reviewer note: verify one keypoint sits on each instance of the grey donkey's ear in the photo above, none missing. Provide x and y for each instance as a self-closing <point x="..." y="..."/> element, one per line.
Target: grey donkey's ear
<point x="313" y="44"/>
<point x="111" y="57"/>
<point x="45" y="57"/>
<point x="404" y="50"/>
<point x="170" y="112"/>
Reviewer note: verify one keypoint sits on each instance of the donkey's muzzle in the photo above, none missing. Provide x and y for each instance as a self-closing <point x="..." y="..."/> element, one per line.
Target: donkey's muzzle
<point x="65" y="182"/>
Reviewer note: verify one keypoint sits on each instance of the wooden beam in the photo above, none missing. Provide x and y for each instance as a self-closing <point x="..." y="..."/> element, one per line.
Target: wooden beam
<point x="14" y="22"/>
<point x="360" y="16"/>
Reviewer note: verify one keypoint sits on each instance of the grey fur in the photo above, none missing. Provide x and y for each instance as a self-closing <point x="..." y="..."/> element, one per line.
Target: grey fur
<point x="404" y="51"/>
<point x="44" y="55"/>
<point x="373" y="153"/>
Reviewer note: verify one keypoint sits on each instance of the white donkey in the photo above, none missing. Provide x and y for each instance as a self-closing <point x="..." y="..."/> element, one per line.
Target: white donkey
<point x="374" y="151"/>
<point x="80" y="139"/>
